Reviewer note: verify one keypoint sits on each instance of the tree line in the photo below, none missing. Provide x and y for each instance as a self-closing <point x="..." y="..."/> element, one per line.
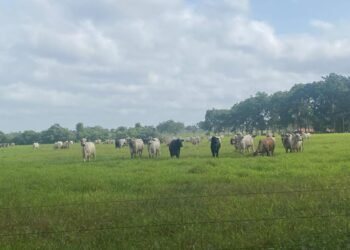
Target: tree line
<point x="322" y="106"/>
<point x="58" y="133"/>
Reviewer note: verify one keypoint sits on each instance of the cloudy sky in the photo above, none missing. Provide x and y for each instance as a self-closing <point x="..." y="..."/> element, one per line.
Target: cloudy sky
<point x="116" y="62"/>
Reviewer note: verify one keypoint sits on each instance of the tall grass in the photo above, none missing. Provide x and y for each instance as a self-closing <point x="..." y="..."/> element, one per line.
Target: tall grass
<point x="51" y="199"/>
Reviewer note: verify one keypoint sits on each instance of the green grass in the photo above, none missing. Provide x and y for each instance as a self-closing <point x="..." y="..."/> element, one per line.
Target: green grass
<point x="51" y="199"/>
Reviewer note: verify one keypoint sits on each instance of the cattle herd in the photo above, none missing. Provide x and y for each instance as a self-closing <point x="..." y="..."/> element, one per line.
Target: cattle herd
<point x="292" y="142"/>
<point x="6" y="145"/>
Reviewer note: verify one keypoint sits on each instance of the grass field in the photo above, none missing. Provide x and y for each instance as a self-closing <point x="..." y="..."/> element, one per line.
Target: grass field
<point x="51" y="199"/>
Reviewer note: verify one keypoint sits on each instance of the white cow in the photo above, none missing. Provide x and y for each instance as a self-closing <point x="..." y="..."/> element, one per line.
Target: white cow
<point x="65" y="144"/>
<point x="119" y="143"/>
<point x="88" y="149"/>
<point x="57" y="145"/>
<point x="246" y="144"/>
<point x="305" y="135"/>
<point x="195" y="140"/>
<point x="36" y="145"/>
<point x="136" y="147"/>
<point x="153" y="147"/>
<point x="297" y="143"/>
<point x="109" y="141"/>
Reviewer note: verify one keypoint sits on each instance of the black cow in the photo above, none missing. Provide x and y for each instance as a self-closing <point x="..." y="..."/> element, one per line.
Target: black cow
<point x="174" y="147"/>
<point x="215" y="146"/>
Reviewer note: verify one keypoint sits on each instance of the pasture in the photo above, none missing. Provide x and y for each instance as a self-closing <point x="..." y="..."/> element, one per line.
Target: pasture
<point x="51" y="199"/>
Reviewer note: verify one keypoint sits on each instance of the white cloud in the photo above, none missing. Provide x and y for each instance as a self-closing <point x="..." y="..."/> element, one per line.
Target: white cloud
<point x="240" y="5"/>
<point x="150" y="61"/>
<point x="322" y="25"/>
<point x="253" y="35"/>
<point x="25" y="94"/>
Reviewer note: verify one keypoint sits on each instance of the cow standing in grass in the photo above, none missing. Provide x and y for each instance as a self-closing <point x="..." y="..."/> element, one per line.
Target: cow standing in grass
<point x="215" y="144"/>
<point x="243" y="143"/>
<point x="36" y="145"/>
<point x="195" y="140"/>
<point x="175" y="147"/>
<point x="88" y="149"/>
<point x="297" y="143"/>
<point x="153" y="146"/>
<point x="136" y="147"/>
<point x="287" y="140"/>
<point x="58" y="145"/>
<point x="119" y="143"/>
<point x="65" y="145"/>
<point x="235" y="140"/>
<point x="246" y="144"/>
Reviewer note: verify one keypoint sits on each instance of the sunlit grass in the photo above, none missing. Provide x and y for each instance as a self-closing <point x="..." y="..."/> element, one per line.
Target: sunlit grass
<point x="195" y="202"/>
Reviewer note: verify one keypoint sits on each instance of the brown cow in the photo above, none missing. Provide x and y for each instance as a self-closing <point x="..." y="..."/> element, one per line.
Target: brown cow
<point x="267" y="146"/>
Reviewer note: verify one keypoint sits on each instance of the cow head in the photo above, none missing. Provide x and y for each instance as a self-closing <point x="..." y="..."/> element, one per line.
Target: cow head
<point x="83" y="142"/>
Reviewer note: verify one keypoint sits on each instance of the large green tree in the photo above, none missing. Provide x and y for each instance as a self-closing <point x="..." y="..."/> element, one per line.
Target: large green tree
<point x="323" y="106"/>
<point x="170" y="127"/>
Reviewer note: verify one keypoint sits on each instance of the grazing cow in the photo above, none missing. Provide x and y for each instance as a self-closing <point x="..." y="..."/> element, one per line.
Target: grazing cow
<point x="215" y="145"/>
<point x="57" y="145"/>
<point x="297" y="143"/>
<point x="88" y="149"/>
<point x="287" y="140"/>
<point x="175" y="147"/>
<point x="119" y="143"/>
<point x="136" y="147"/>
<point x="153" y="146"/>
<point x="266" y="146"/>
<point x="36" y="145"/>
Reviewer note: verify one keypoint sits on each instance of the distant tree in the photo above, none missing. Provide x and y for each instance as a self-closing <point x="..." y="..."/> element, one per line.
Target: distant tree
<point x="120" y="133"/>
<point x="55" y="133"/>
<point x="192" y="128"/>
<point x="11" y="136"/>
<point x="279" y="115"/>
<point x="28" y="137"/>
<point x="3" y="137"/>
<point x="170" y="127"/>
<point x="216" y="120"/>
<point x="96" y="132"/>
<point x="319" y="105"/>
<point x="79" y="129"/>
<point x="251" y="114"/>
